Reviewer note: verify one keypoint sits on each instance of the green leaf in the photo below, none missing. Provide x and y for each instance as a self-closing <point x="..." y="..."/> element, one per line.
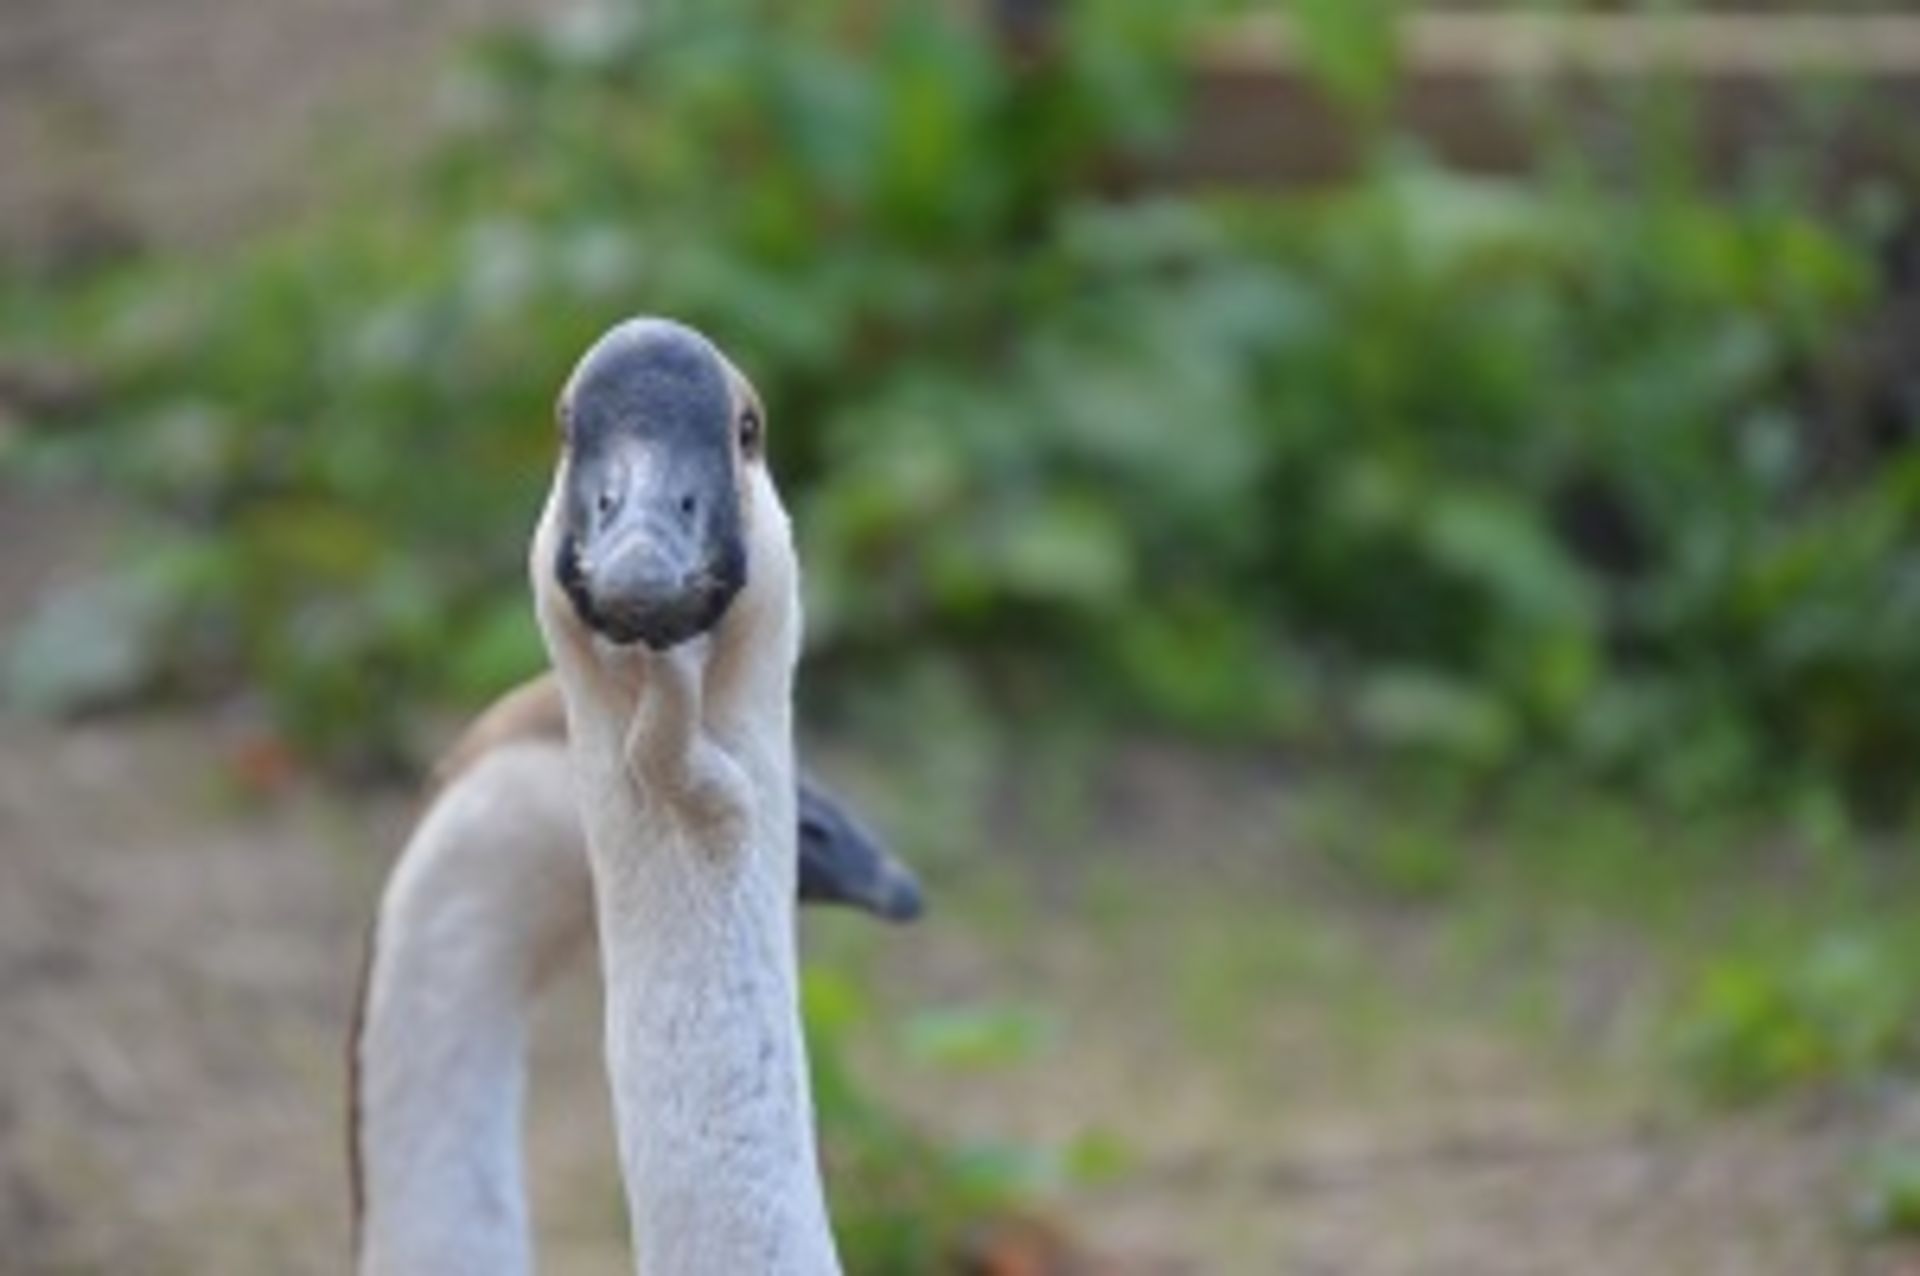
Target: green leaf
<point x="1424" y="711"/>
<point x="976" y="1037"/>
<point x="1351" y="46"/>
<point x="88" y="646"/>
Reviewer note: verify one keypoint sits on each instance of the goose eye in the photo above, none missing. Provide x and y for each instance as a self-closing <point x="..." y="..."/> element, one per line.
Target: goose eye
<point x="750" y="431"/>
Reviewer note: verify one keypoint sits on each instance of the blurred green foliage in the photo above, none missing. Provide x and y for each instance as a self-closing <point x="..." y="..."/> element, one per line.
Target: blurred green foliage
<point x="906" y="1202"/>
<point x="1888" y="1192"/>
<point x="1841" y="1010"/>
<point x="1478" y="472"/>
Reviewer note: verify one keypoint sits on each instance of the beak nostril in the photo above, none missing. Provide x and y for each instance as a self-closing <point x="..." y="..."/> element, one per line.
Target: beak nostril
<point x="688" y="505"/>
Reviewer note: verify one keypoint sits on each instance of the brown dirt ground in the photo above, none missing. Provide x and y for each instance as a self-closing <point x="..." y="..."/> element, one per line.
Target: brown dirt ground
<point x="182" y="120"/>
<point x="176" y="971"/>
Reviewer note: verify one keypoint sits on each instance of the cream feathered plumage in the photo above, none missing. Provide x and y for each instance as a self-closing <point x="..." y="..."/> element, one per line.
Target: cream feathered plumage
<point x="666" y="587"/>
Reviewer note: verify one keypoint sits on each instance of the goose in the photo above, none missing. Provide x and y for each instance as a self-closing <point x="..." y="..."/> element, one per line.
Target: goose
<point x="645" y="790"/>
<point x="666" y="588"/>
<point x="488" y="901"/>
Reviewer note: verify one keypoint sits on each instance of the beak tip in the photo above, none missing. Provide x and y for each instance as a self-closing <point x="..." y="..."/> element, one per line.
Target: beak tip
<point x="902" y="900"/>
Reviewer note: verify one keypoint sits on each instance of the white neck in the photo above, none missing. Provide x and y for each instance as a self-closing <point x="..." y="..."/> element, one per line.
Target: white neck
<point x="489" y="896"/>
<point x="685" y="767"/>
<point x="704" y="1048"/>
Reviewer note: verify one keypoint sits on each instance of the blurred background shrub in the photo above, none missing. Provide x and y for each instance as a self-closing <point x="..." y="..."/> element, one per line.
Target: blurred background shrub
<point x="1542" y="472"/>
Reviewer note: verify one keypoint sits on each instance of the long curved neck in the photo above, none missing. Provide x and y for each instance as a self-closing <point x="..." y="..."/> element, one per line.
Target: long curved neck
<point x="687" y="790"/>
<point x="489" y="896"/>
<point x="704" y="1045"/>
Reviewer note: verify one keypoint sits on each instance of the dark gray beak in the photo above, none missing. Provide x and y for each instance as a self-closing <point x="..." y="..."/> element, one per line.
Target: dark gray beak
<point x="654" y="566"/>
<point x="652" y="548"/>
<point x="842" y="863"/>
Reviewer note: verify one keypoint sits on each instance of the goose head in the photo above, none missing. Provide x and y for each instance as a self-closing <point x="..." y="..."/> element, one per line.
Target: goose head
<point x="655" y="502"/>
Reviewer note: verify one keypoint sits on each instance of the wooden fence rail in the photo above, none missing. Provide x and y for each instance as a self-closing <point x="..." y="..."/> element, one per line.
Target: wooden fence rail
<point x="1754" y="81"/>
